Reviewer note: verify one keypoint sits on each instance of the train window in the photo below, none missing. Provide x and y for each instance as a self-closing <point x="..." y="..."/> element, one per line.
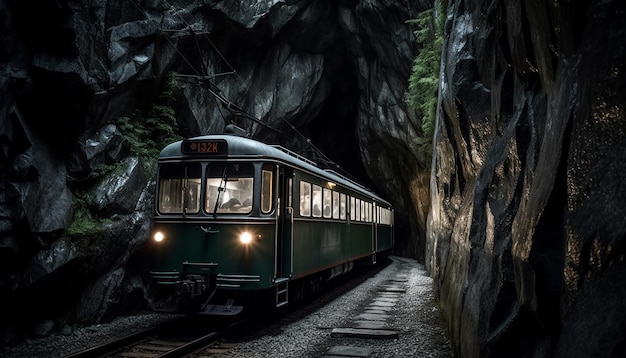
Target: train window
<point x="305" y="198"/>
<point x="362" y="207"/>
<point x="352" y="209"/>
<point x="317" y="201"/>
<point x="384" y="219"/>
<point x="363" y="211"/>
<point x="327" y="202"/>
<point x="342" y="206"/>
<point x="229" y="188"/>
<point x="335" y="205"/>
<point x="266" y="189"/>
<point x="290" y="192"/>
<point x="179" y="188"/>
<point x="357" y="203"/>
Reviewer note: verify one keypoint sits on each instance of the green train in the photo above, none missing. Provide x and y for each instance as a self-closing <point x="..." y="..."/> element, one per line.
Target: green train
<point x="238" y="221"/>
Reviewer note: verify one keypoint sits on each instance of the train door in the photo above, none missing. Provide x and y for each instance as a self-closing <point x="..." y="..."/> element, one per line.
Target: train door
<point x="284" y="242"/>
<point x="284" y="266"/>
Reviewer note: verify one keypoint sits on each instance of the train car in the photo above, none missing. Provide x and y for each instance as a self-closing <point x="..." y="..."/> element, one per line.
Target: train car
<point x="237" y="219"/>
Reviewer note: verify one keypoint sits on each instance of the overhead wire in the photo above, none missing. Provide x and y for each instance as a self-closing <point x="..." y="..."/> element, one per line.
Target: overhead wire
<point x="204" y="80"/>
<point x="310" y="143"/>
<point x="208" y="39"/>
<point x="182" y="55"/>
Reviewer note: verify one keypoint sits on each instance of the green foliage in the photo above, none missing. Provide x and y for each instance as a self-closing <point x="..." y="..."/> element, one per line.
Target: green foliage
<point x="424" y="80"/>
<point x="148" y="133"/>
<point x="84" y="224"/>
<point x="101" y="170"/>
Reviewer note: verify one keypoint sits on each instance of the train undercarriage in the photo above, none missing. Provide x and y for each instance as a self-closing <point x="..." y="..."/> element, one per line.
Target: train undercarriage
<point x="174" y="292"/>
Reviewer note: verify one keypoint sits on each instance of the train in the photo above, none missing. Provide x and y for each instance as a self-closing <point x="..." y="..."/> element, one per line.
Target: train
<point x="238" y="222"/>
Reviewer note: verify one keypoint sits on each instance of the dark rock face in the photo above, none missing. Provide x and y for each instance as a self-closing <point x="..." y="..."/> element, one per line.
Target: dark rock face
<point x="336" y="71"/>
<point x="526" y="229"/>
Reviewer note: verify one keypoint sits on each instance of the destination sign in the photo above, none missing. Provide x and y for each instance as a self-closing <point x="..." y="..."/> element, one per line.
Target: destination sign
<point x="199" y="146"/>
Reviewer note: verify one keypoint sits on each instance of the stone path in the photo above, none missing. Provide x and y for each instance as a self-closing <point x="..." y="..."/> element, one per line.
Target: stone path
<point x="376" y="320"/>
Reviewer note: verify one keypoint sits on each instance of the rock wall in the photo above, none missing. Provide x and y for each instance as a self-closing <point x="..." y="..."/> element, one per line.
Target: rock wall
<point x="527" y="224"/>
<point x="336" y="71"/>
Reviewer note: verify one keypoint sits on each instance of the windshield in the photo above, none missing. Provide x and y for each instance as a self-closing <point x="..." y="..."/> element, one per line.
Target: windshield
<point x="179" y="188"/>
<point x="229" y="188"/>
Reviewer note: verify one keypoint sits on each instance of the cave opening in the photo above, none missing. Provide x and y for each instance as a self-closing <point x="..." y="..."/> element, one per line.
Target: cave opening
<point x="334" y="130"/>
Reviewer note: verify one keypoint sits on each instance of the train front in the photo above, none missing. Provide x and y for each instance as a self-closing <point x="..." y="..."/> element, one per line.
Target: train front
<point x="212" y="240"/>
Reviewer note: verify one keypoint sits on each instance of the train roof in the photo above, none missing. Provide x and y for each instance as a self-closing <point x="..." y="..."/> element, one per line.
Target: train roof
<point x="238" y="147"/>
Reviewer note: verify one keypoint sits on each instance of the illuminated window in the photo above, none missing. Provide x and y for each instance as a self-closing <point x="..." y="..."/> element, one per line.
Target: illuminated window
<point x="305" y="198"/>
<point x="317" y="201"/>
<point x="352" y="209"/>
<point x="327" y="203"/>
<point x="179" y="188"/>
<point x="267" y="175"/>
<point x="290" y="192"/>
<point x="335" y="205"/>
<point x="342" y="206"/>
<point x="229" y="188"/>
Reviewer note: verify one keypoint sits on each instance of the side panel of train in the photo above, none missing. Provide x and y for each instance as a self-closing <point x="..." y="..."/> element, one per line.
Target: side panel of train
<point x="384" y="229"/>
<point x="333" y="225"/>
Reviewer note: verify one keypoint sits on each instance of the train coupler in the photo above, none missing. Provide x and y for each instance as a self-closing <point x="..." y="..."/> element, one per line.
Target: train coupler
<point x="192" y="286"/>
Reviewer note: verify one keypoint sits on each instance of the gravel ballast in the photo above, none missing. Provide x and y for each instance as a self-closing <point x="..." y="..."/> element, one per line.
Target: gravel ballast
<point x="414" y="316"/>
<point x="398" y="301"/>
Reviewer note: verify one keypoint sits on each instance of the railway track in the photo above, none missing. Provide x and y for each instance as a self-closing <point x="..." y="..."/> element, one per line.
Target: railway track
<point x="180" y="338"/>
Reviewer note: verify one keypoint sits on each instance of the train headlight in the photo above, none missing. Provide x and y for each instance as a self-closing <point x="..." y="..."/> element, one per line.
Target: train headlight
<point x="245" y="238"/>
<point x="158" y="236"/>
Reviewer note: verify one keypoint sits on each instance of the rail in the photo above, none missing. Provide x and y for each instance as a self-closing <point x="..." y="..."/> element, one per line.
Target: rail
<point x="151" y="343"/>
